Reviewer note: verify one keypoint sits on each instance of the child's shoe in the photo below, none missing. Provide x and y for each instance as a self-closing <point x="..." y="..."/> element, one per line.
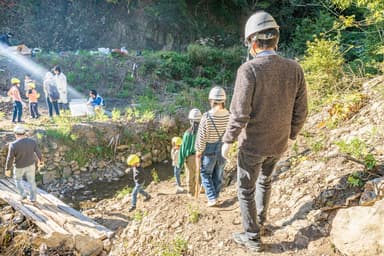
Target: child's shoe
<point x="179" y="190"/>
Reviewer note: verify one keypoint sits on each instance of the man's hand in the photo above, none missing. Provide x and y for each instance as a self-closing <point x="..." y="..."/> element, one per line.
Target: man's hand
<point x="40" y="164"/>
<point x="225" y="150"/>
<point x="8" y="173"/>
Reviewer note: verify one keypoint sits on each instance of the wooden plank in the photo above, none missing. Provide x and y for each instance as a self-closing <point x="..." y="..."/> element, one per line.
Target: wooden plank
<point x="67" y="217"/>
<point x="67" y="221"/>
<point x="61" y="205"/>
<point x="29" y="211"/>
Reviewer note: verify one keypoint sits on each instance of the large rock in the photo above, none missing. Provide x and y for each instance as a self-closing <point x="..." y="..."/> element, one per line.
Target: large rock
<point x="87" y="246"/>
<point x="358" y="231"/>
<point x="55" y="240"/>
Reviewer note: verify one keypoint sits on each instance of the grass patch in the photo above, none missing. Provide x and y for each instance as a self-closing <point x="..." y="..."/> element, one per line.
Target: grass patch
<point x="177" y="247"/>
<point x="193" y="214"/>
<point x="124" y="192"/>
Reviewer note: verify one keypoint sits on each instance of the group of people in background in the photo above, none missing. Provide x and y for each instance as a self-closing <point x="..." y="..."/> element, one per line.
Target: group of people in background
<point x="55" y="90"/>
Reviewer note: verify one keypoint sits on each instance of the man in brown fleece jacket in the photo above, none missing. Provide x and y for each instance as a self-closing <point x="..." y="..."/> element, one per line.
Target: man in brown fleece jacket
<point x="269" y="106"/>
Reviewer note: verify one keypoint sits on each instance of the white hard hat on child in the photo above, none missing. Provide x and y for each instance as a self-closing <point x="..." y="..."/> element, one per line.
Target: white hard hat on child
<point x="194" y="114"/>
<point x="19" y="129"/>
<point x="259" y="22"/>
<point x="217" y="94"/>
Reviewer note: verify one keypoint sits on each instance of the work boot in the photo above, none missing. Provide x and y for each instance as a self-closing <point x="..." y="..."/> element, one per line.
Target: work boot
<point x="252" y="244"/>
<point x="132" y="208"/>
<point x="147" y="198"/>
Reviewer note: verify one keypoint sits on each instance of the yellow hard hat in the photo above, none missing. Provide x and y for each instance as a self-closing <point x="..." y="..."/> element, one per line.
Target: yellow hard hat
<point x="15" y="80"/>
<point x="177" y="141"/>
<point x="133" y="159"/>
<point x="32" y="85"/>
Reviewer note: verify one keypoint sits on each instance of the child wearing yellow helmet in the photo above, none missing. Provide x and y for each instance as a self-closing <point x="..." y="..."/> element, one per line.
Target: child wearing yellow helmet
<point x="33" y="96"/>
<point x="18" y="104"/>
<point x="138" y="177"/>
<point x="176" y="143"/>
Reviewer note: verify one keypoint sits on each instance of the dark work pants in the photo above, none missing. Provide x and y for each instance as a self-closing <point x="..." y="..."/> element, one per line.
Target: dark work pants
<point x="17" y="111"/>
<point x="63" y="106"/>
<point x="52" y="105"/>
<point x="254" y="189"/>
<point x="33" y="109"/>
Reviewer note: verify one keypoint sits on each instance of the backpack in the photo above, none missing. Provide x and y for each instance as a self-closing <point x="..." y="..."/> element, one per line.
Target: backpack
<point x="53" y="93"/>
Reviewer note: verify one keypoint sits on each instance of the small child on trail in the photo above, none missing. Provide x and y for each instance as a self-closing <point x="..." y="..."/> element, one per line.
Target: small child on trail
<point x="33" y="96"/>
<point x="176" y="143"/>
<point x="138" y="177"/>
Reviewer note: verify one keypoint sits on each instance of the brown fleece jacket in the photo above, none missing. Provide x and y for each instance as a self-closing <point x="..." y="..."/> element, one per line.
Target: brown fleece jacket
<point x="269" y="105"/>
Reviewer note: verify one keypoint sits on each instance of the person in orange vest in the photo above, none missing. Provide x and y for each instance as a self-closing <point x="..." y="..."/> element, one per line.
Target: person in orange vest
<point x="18" y="104"/>
<point x="33" y="97"/>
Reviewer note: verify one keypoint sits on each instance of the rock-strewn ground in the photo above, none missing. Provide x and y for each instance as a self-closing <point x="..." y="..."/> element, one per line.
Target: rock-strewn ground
<point x="309" y="186"/>
<point x="306" y="193"/>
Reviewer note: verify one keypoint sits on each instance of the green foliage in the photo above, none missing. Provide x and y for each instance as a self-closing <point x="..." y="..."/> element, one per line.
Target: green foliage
<point x="116" y="114"/>
<point x="155" y="176"/>
<point x="177" y="247"/>
<point x="359" y="150"/>
<point x="355" y="179"/>
<point x="146" y="117"/>
<point x="309" y="28"/>
<point x="124" y="192"/>
<point x="323" y="62"/>
<point x="194" y="214"/>
<point x="356" y="147"/>
<point x="369" y="161"/>
<point x="139" y="215"/>
<point x="58" y="134"/>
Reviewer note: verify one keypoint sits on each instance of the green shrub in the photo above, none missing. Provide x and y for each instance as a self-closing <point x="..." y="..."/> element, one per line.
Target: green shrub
<point x="155" y="176"/>
<point x="194" y="214"/>
<point x="177" y="247"/>
<point x="116" y="114"/>
<point x="323" y="63"/>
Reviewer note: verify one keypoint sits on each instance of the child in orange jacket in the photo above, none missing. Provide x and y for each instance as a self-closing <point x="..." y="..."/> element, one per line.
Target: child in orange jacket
<point x="33" y="97"/>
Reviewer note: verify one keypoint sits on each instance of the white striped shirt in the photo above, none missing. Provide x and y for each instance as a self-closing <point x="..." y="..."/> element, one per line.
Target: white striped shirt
<point x="207" y="132"/>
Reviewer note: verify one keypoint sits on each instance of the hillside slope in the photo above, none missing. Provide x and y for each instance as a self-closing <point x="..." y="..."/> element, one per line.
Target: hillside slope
<point x="307" y="190"/>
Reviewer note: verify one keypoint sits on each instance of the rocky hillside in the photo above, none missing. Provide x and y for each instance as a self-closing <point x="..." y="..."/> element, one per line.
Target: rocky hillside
<point x="71" y="25"/>
<point x="310" y="188"/>
<point x="323" y="197"/>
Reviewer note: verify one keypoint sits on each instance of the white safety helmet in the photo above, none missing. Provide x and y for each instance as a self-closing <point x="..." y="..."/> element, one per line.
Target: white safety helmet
<point x="217" y="94"/>
<point x="258" y="22"/>
<point x="194" y="115"/>
<point x="19" y="129"/>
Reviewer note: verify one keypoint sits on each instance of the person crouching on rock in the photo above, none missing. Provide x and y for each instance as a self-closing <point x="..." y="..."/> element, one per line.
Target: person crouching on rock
<point x="138" y="177"/>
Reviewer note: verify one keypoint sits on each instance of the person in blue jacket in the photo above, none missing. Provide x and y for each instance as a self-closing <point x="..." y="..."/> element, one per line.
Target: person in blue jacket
<point x="95" y="100"/>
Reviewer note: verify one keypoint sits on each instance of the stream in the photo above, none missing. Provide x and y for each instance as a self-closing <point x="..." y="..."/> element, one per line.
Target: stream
<point x="100" y="190"/>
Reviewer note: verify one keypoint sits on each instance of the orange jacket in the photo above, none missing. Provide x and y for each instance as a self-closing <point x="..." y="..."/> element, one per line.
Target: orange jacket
<point x="32" y="95"/>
